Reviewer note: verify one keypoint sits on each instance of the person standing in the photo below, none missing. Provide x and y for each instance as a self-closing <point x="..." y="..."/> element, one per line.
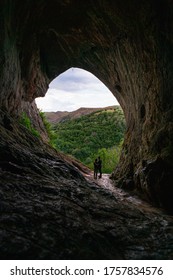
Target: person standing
<point x="95" y="168"/>
<point x="99" y="161"/>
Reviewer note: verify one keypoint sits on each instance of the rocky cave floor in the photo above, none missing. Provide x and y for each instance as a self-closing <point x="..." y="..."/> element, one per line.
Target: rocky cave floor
<point x="51" y="210"/>
<point x="78" y="219"/>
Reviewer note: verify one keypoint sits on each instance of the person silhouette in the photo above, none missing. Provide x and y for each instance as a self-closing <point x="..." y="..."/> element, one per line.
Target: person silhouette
<point x="95" y="168"/>
<point x="99" y="162"/>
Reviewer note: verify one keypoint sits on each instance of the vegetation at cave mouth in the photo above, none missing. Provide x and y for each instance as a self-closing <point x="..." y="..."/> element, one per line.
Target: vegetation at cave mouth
<point x="100" y="133"/>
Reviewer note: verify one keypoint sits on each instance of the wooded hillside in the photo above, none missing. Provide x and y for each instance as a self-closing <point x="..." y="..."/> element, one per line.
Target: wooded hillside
<point x="87" y="137"/>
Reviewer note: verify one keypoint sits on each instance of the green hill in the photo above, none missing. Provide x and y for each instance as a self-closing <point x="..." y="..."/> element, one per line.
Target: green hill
<point x="99" y="133"/>
<point x="61" y="116"/>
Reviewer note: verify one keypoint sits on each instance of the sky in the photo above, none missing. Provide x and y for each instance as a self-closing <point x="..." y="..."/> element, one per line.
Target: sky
<point x="73" y="89"/>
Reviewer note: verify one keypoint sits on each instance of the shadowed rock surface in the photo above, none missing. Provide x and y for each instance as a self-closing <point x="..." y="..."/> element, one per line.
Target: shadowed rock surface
<point x="52" y="209"/>
<point x="127" y="45"/>
<point x="48" y="209"/>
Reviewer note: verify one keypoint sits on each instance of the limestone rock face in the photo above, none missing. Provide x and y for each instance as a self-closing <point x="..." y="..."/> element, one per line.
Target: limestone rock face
<point x="127" y="44"/>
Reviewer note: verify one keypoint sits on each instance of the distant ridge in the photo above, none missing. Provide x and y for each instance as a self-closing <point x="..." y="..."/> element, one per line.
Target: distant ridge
<point x="61" y="116"/>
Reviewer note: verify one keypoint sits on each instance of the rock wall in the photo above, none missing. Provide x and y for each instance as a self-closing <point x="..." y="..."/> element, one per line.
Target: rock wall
<point x="127" y="44"/>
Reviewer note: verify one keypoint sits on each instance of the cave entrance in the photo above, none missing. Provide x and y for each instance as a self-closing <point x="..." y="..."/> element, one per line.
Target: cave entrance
<point x="86" y="118"/>
<point x="73" y="89"/>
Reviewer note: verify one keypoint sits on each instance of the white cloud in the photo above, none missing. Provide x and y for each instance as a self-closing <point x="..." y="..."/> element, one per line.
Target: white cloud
<point x="73" y="89"/>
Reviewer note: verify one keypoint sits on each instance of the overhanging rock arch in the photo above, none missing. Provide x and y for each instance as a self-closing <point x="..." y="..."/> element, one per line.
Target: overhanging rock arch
<point x="127" y="45"/>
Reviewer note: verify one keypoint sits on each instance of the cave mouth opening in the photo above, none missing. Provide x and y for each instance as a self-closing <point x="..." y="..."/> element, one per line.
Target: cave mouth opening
<point x="87" y="120"/>
<point x="73" y="89"/>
